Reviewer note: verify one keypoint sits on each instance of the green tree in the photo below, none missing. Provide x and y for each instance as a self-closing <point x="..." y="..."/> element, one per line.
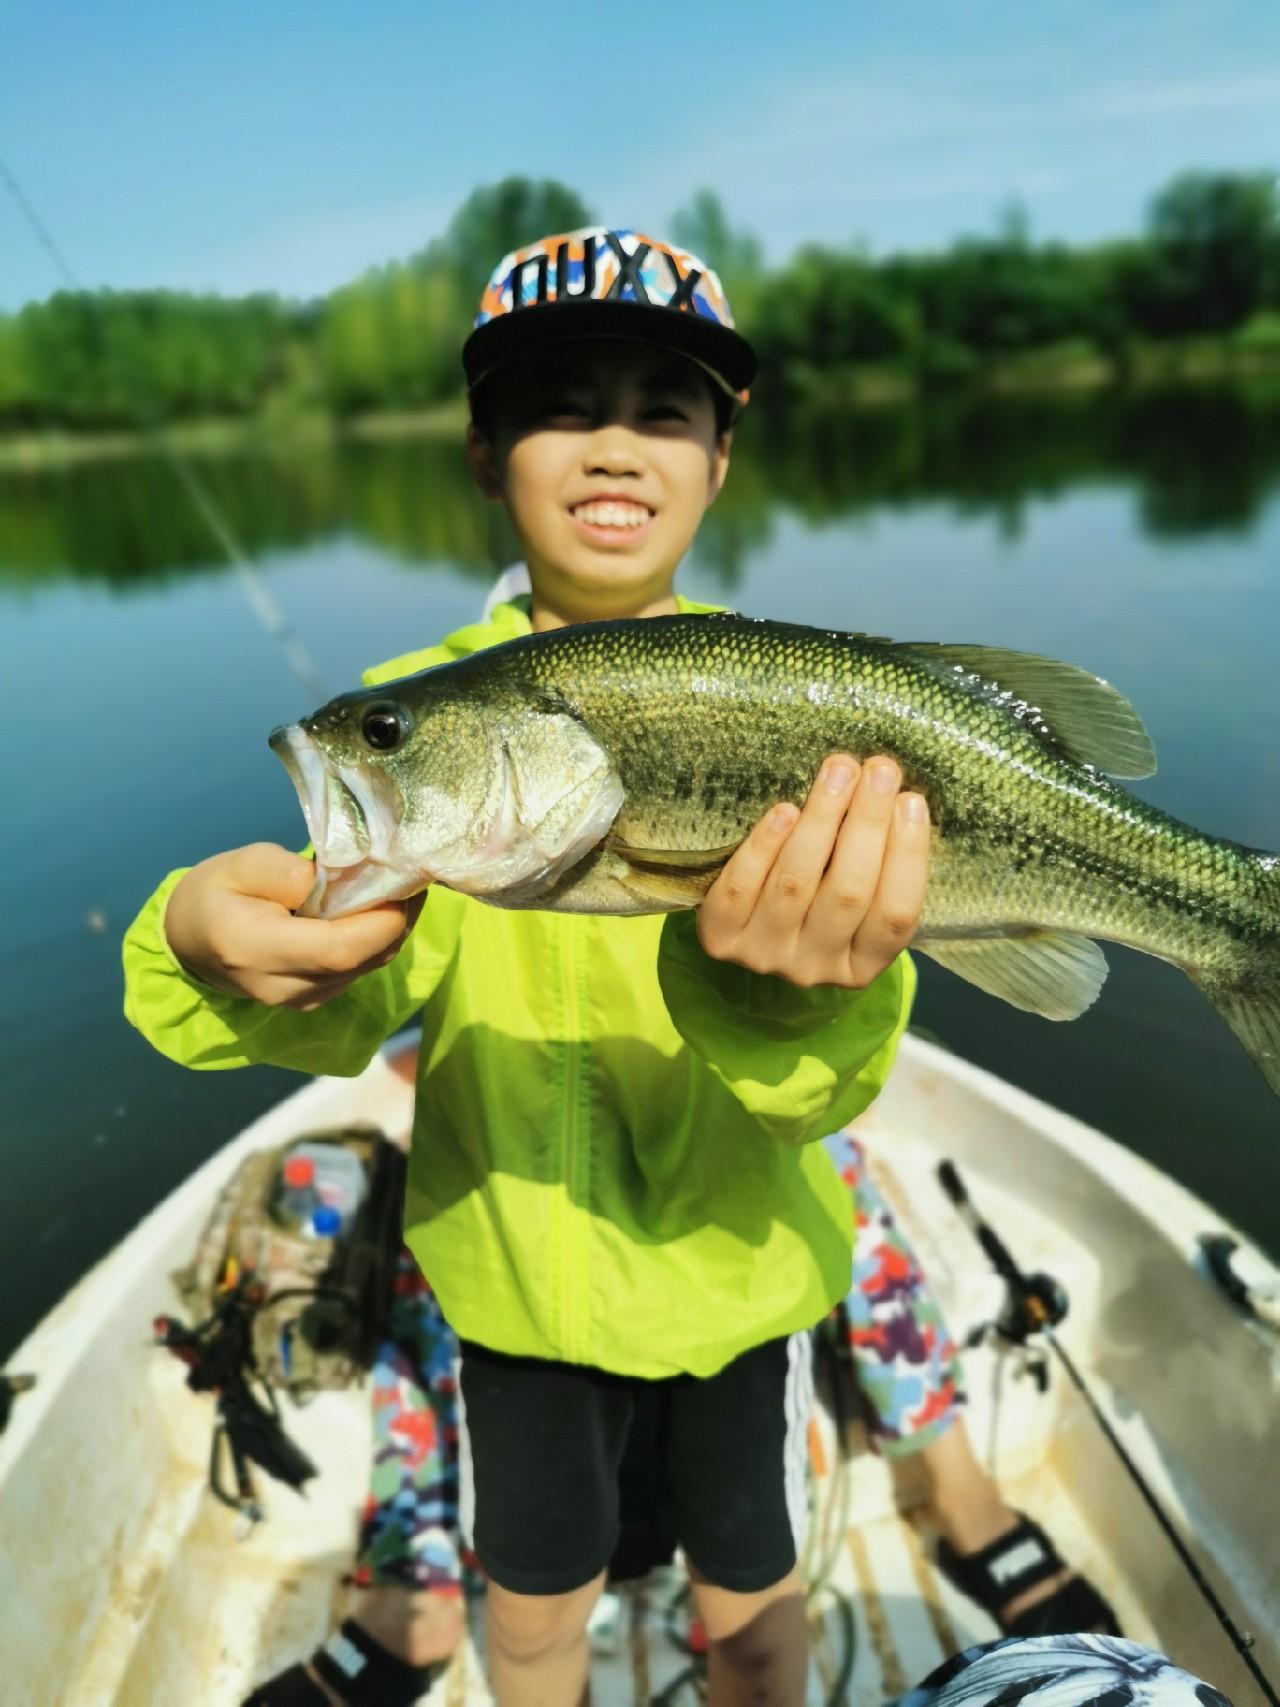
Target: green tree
<point x="498" y="218"/>
<point x="998" y="297"/>
<point x="392" y="338"/>
<point x="736" y="255"/>
<point x="1212" y="247"/>
<point x="13" y="377"/>
<point x="825" y="311"/>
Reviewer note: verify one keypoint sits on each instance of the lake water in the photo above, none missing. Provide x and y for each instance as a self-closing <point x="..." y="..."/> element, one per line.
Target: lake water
<point x="1140" y="538"/>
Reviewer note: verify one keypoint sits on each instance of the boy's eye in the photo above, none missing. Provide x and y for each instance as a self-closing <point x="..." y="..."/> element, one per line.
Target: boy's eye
<point x="666" y="412"/>
<point x="564" y="406"/>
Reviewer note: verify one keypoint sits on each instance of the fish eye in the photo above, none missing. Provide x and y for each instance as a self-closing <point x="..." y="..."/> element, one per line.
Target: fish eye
<point x="384" y="727"/>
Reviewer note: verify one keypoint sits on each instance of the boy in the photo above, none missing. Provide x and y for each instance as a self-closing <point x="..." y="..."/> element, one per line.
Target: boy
<point x="609" y="1183"/>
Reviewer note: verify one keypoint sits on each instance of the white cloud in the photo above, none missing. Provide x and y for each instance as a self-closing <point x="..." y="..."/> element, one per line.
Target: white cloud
<point x="1212" y="94"/>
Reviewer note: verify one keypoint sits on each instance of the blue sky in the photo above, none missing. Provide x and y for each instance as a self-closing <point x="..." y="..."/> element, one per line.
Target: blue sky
<point x="287" y="147"/>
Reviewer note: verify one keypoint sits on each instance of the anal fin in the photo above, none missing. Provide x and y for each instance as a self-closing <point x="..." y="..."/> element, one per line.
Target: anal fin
<point x="1056" y="974"/>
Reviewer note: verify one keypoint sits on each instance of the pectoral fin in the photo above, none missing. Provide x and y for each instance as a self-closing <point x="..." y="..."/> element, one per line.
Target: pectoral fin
<point x="1052" y="973"/>
<point x="671" y="888"/>
<point x="675" y="876"/>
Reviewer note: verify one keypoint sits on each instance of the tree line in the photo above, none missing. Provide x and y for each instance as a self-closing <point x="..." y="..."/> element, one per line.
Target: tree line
<point x="1199" y="461"/>
<point x="1205" y="272"/>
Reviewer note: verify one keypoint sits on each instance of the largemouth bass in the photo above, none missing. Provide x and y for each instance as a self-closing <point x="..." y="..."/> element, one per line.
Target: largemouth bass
<point x="614" y="767"/>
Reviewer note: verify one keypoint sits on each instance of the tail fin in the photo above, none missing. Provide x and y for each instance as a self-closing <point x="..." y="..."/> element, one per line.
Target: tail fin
<point x="1254" y="1016"/>
<point x="1251" y="1004"/>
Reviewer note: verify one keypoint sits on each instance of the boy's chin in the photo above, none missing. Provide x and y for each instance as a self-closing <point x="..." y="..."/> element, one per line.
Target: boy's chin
<point x="615" y="572"/>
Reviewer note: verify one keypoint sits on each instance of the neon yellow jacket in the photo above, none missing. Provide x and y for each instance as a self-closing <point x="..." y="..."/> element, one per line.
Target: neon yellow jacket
<point x="612" y="1159"/>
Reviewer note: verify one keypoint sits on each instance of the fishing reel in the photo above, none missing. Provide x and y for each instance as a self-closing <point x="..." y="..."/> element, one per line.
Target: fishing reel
<point x="1036" y="1303"/>
<point x="1044" y="1304"/>
<point x="1033" y="1303"/>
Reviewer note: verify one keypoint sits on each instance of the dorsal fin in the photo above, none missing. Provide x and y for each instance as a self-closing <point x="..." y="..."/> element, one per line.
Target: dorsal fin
<point x="1089" y="719"/>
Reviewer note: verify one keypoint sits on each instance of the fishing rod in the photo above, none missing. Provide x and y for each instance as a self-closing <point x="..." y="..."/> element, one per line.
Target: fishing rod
<point x="253" y="585"/>
<point x="1035" y="1304"/>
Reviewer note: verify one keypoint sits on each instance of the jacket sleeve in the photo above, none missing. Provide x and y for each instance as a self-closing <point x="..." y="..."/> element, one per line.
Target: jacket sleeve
<point x="802" y="1062"/>
<point x="200" y="1027"/>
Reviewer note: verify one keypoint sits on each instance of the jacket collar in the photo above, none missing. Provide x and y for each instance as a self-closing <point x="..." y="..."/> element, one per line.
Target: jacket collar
<point x="507" y="621"/>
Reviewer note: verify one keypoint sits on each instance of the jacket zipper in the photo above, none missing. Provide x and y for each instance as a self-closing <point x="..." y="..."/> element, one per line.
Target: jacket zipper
<point x="571" y="1131"/>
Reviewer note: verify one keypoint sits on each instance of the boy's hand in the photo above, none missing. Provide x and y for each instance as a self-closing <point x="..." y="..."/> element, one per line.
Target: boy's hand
<point x="230" y="924"/>
<point x="831" y="894"/>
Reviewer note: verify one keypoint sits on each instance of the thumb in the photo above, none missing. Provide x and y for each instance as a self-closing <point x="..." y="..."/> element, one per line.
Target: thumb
<point x="271" y="873"/>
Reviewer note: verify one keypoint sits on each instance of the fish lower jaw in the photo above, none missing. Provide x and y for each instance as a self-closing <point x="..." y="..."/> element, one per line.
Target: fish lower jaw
<point x="342" y="889"/>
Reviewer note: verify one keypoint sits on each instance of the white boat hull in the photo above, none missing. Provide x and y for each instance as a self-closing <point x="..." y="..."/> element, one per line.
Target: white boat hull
<point x="122" y="1581"/>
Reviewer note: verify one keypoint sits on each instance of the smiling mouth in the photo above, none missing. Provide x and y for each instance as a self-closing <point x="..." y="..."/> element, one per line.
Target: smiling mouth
<point x="620" y="515"/>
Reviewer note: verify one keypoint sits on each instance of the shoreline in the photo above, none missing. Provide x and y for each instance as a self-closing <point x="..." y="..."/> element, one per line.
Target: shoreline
<point x="1052" y="371"/>
<point x="1044" y="373"/>
<point x="55" y="447"/>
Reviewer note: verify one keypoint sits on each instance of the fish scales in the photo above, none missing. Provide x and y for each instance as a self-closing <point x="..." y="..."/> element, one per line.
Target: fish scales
<point x="729" y="710"/>
<point x="613" y="767"/>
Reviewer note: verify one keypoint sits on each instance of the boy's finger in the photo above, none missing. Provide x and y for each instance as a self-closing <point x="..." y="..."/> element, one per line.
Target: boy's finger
<point x="272" y="873"/>
<point x="322" y="948"/>
<point x="731" y="899"/>
<point x="308" y="992"/>
<point x="895" y="911"/>
<point x="798" y="870"/>
<point x="849" y="884"/>
<point x="386" y="955"/>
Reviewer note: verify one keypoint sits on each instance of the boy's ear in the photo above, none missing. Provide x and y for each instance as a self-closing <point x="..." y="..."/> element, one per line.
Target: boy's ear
<point x="483" y="463"/>
<point x="719" y="466"/>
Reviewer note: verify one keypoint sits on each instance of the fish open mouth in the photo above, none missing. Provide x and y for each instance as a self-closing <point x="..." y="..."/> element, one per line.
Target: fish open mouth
<point x="352" y="816"/>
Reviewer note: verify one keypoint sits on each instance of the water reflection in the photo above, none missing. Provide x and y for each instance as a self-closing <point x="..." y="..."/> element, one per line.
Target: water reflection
<point x="166" y="688"/>
<point x="1198" y="460"/>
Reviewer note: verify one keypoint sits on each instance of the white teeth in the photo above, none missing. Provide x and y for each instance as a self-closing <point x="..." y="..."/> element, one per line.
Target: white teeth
<point x="608" y="514"/>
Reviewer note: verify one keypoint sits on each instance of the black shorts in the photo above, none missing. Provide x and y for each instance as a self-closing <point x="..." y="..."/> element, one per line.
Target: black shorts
<point x="544" y="1453"/>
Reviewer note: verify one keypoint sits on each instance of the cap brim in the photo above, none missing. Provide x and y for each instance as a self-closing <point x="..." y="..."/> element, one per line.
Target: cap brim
<point x="725" y="354"/>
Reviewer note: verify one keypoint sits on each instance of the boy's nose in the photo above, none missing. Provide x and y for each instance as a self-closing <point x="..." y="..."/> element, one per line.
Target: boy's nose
<point x="614" y="451"/>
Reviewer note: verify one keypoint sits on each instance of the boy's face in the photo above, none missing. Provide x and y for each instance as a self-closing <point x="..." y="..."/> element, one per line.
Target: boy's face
<point x="606" y="455"/>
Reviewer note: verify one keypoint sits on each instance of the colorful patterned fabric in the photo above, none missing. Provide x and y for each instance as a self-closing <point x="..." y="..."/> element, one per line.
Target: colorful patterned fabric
<point x="904" y="1358"/>
<point x="610" y="284"/>
<point x="1061" y="1671"/>
<point x="908" y="1374"/>
<point x="603" y="266"/>
<point x="409" y="1528"/>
